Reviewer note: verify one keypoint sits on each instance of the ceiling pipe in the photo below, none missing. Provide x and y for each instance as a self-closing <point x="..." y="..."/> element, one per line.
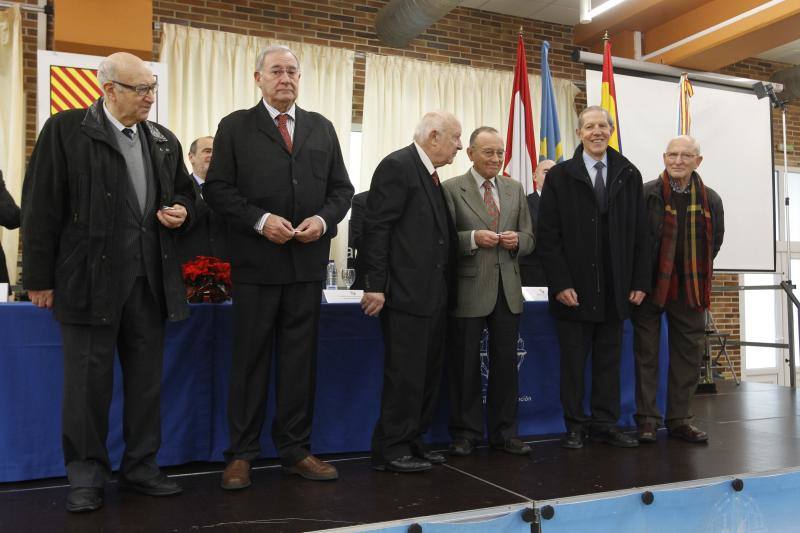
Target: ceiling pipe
<point x="400" y="21"/>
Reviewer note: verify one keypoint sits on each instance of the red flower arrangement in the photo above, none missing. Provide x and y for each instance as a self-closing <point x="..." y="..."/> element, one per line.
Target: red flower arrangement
<point x="207" y="279"/>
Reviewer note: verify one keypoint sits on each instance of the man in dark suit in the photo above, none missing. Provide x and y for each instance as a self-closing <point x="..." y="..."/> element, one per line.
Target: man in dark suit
<point x="9" y="218"/>
<point x="207" y="235"/>
<point x="278" y="179"/>
<point x="408" y="252"/>
<point x="491" y="217"/>
<point x="530" y="265"/>
<point x="105" y="192"/>
<point x="356" y="230"/>
<point x="594" y="245"/>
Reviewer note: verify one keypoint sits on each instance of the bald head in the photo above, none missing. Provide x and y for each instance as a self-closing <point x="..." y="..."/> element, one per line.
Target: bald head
<point x="439" y="135"/>
<point x="129" y="87"/>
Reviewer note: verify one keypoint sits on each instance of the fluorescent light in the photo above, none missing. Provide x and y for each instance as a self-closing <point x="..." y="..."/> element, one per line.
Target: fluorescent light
<point x="610" y="4"/>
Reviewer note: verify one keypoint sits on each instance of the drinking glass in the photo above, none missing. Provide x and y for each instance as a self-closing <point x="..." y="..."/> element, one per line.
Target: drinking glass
<point x="348" y="277"/>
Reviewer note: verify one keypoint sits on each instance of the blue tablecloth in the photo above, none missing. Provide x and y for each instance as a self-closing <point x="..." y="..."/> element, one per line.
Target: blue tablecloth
<point x="194" y="392"/>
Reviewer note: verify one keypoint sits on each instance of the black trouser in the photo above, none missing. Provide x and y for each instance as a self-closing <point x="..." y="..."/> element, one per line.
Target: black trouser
<point x="88" y="384"/>
<point x="686" y="327"/>
<point x="285" y="317"/>
<point x="464" y="374"/>
<point x="412" y="371"/>
<point x="603" y="340"/>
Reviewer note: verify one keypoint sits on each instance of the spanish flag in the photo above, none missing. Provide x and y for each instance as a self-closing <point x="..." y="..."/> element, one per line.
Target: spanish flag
<point x="686" y="91"/>
<point x="608" y="100"/>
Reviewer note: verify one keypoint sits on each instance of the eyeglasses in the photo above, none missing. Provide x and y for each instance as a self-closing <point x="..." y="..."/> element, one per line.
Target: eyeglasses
<point x="141" y="90"/>
<point x="683" y="155"/>
<point x="278" y="72"/>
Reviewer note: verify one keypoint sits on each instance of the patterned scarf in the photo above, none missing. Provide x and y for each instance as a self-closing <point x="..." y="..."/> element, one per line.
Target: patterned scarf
<point x="697" y="260"/>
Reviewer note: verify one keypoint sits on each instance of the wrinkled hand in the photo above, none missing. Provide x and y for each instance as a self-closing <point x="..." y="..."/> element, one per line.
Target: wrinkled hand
<point x="636" y="297"/>
<point x="372" y="303"/>
<point x="486" y="239"/>
<point x="568" y="297"/>
<point x="172" y="218"/>
<point x="509" y="240"/>
<point x="42" y="298"/>
<point x="277" y="229"/>
<point x="309" y="230"/>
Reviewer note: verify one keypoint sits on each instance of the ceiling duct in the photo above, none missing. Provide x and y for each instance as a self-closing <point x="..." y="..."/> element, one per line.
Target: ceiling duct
<point x="790" y="78"/>
<point x="400" y="21"/>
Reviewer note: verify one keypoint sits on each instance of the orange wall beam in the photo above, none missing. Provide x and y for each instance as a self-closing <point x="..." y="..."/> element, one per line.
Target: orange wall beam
<point x="101" y="27"/>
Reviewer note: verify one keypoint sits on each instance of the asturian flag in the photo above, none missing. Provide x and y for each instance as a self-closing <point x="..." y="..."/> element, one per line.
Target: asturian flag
<point x="608" y="98"/>
<point x="520" y="160"/>
<point x="686" y="91"/>
<point x="550" y="146"/>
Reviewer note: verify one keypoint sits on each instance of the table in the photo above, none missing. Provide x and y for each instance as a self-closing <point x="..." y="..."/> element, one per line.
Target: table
<point x="194" y="391"/>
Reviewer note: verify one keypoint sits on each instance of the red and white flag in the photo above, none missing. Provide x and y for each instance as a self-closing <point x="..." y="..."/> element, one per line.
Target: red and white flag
<point x="520" y="160"/>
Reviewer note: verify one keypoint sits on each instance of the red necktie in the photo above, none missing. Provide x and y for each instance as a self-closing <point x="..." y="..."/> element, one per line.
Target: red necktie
<point x="435" y="178"/>
<point x="282" y="119"/>
<point x="488" y="199"/>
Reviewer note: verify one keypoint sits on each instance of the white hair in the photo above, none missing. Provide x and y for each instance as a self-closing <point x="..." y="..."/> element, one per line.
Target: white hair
<point x="106" y="72"/>
<point x="275" y="48"/>
<point x="591" y="108"/>
<point x="430" y="122"/>
<point x="688" y="138"/>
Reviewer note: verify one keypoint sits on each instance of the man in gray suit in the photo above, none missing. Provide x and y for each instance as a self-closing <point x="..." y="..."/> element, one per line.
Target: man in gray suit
<point x="491" y="216"/>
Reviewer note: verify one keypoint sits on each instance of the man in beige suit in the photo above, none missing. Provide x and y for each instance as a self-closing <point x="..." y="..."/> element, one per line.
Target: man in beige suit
<point x="491" y="216"/>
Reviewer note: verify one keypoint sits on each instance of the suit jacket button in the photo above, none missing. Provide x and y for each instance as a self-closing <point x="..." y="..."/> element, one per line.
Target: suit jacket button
<point x="438" y="265"/>
<point x="294" y="181"/>
<point x="441" y="241"/>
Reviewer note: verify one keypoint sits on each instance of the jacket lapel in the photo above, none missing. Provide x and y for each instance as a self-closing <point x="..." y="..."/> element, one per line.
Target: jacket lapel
<point x="265" y="124"/>
<point x="472" y="197"/>
<point x="302" y="129"/>
<point x="428" y="186"/>
<point x="504" y="193"/>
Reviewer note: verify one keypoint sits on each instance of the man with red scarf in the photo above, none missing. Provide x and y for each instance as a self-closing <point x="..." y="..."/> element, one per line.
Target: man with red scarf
<point x="687" y="226"/>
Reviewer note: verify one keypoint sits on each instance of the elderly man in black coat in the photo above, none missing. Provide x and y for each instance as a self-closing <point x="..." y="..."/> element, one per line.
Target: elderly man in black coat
<point x="105" y="192"/>
<point x="594" y="245"/>
<point x="9" y="218"/>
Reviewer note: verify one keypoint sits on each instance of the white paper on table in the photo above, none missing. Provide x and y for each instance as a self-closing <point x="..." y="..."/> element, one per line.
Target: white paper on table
<point x="534" y="294"/>
<point x="347" y="296"/>
<point x="3" y="292"/>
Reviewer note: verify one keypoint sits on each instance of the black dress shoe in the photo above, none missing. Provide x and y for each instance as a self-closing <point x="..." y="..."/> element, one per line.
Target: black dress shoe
<point x="514" y="446"/>
<point x="84" y="499"/>
<point x="615" y="437"/>
<point x="689" y="433"/>
<point x="461" y="448"/>
<point x="572" y="440"/>
<point x="407" y="463"/>
<point x="434" y="458"/>
<point x="160" y="485"/>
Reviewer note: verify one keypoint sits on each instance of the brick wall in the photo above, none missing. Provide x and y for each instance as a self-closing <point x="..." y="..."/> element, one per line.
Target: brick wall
<point x="465" y="36"/>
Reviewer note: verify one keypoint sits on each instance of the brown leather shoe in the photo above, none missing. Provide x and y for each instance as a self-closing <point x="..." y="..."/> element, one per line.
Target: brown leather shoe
<point x="236" y="475"/>
<point x="647" y="432"/>
<point x="313" y="469"/>
<point x="689" y="433"/>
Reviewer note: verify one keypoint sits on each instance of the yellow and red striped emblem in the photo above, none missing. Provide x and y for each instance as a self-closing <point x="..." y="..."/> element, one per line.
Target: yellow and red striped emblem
<point x="72" y="88"/>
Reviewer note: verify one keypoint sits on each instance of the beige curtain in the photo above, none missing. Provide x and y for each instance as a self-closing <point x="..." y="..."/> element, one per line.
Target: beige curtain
<point x="211" y="75"/>
<point x="12" y="122"/>
<point x="398" y="91"/>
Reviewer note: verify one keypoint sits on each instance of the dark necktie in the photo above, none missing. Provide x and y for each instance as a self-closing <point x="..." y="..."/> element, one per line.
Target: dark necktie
<point x="435" y="178"/>
<point x="127" y="132"/>
<point x="600" y="188"/>
<point x="491" y="206"/>
<point x="283" y="118"/>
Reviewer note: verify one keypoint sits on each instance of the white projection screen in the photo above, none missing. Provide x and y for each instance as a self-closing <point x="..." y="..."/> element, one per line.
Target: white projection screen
<point x="733" y="128"/>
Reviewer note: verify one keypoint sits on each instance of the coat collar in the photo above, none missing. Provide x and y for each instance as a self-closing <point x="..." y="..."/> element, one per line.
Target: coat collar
<point x="427" y="185"/>
<point x="616" y="164"/>
<point x="265" y="124"/>
<point x="94" y="125"/>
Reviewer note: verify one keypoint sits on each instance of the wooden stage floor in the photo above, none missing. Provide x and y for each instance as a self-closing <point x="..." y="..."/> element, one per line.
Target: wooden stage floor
<point x="753" y="428"/>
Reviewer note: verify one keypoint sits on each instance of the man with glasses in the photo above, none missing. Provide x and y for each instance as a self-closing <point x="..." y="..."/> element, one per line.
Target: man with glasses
<point x="278" y="179"/>
<point x="490" y="213"/>
<point x="105" y="193"/>
<point x="687" y="226"/>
